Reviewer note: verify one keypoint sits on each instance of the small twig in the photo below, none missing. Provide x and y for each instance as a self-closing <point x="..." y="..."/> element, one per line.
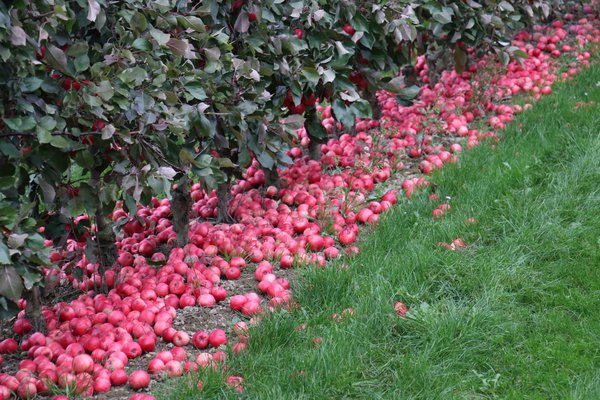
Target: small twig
<point x="36" y="17"/>
<point x="31" y="134"/>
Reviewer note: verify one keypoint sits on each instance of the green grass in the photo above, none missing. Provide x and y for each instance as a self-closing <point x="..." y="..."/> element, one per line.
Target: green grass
<point x="513" y="316"/>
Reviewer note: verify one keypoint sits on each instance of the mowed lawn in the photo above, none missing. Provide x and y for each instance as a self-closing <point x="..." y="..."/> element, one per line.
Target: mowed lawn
<point x="515" y="315"/>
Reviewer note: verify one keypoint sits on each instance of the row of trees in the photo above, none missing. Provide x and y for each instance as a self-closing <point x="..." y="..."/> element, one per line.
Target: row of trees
<point x="105" y="102"/>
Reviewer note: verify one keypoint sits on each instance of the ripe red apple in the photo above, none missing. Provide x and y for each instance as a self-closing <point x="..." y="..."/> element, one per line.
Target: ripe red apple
<point x="147" y="342"/>
<point x="156" y="366"/>
<point x="174" y="368"/>
<point x="349" y="29"/>
<point x="98" y="125"/>
<point x="232" y="273"/>
<point x="26" y="390"/>
<point x="181" y="339"/>
<point x="101" y="385"/>
<point x="118" y="377"/>
<point x="250" y="308"/>
<point x="139" y="379"/>
<point x="237" y="302"/>
<point x="8" y="346"/>
<point x="83" y="363"/>
<point x="200" y="339"/>
<point x="217" y="338"/>
<point x="206" y="300"/>
<point x="347" y="236"/>
<point x="286" y="261"/>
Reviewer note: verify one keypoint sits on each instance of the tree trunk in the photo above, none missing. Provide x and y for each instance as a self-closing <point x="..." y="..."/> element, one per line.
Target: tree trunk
<point x="375" y="106"/>
<point x="438" y="63"/>
<point x="33" y="311"/>
<point x="107" y="249"/>
<point x="223" y="198"/>
<point x="181" y="207"/>
<point x="316" y="132"/>
<point x="106" y="244"/>
<point x="314" y="149"/>
<point x="272" y="177"/>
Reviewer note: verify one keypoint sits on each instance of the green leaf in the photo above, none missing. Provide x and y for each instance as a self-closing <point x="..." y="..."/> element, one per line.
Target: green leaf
<point x="90" y="253"/>
<point x="77" y="49"/>
<point x="342" y="113"/>
<point x="506" y="6"/>
<point x="21" y="124"/>
<point x="35" y="242"/>
<point x="504" y="57"/>
<point x="60" y="142"/>
<point x="47" y="191"/>
<point x="444" y="16"/>
<point x="247" y="107"/>
<point x="187" y="157"/>
<point x="130" y="204"/>
<point x="265" y="159"/>
<point x="8" y="309"/>
<point x="93" y="10"/>
<point x="178" y="47"/>
<point x="311" y="74"/>
<point x="30" y="278"/>
<point x="520" y="54"/>
<point x="213" y="53"/>
<point x="56" y="58"/>
<point x="328" y="76"/>
<point x="409" y="92"/>
<point x="16" y="240"/>
<point x="473" y="4"/>
<point x="361" y="109"/>
<point x="7" y="216"/>
<point x="11" y="284"/>
<point x="141" y="44"/>
<point x="31" y="84"/>
<point x="84" y="159"/>
<point x="43" y="135"/>
<point x="360" y="23"/>
<point x="138" y="22"/>
<point x="9" y="149"/>
<point x="294" y="122"/>
<point x="192" y="22"/>
<point x="136" y="74"/>
<point x="105" y="90"/>
<point x="242" y="23"/>
<point x="161" y="38"/>
<point x="81" y="63"/>
<point x="315" y="129"/>
<point x="225" y="162"/>
<point x="18" y="37"/>
<point x="4" y="252"/>
<point x="107" y="132"/>
<point x="196" y="90"/>
<point x="47" y="122"/>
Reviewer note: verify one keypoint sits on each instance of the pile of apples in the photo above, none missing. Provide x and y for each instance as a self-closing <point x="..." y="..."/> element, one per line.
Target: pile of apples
<point x="315" y="216"/>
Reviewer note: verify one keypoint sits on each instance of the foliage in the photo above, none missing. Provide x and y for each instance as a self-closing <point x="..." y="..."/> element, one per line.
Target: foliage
<point x="102" y="101"/>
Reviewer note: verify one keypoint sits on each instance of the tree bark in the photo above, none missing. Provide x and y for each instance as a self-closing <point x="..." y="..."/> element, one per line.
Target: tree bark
<point x="314" y="149"/>
<point x="223" y="198"/>
<point x="438" y="63"/>
<point x="106" y="250"/>
<point x="33" y="311"/>
<point x="272" y="177"/>
<point x="312" y="123"/>
<point x="375" y="107"/>
<point x="181" y="207"/>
